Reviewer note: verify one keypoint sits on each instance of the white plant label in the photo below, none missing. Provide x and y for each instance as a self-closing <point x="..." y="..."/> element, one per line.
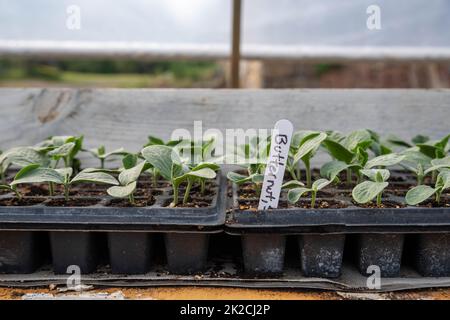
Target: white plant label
<point x="276" y="165"/>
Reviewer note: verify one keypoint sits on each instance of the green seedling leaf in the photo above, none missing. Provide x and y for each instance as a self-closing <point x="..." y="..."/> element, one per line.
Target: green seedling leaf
<point x="62" y="151"/>
<point x="210" y="165"/>
<point x="309" y="144"/>
<point x="205" y="173"/>
<point x="419" y="194"/>
<point x="66" y="173"/>
<point x="257" y="178"/>
<point x="129" y="161"/>
<point x="335" y="136"/>
<point x="164" y="159"/>
<point x="299" y="136"/>
<point x="101" y="152"/>
<point x="110" y="171"/>
<point x="358" y="138"/>
<point x="122" y="191"/>
<point x="413" y="155"/>
<point x="152" y="140"/>
<point x="39" y="175"/>
<point x="25" y="156"/>
<point x="22" y="156"/>
<point x="94" y="177"/>
<point x="368" y="190"/>
<point x="399" y="142"/>
<point x="330" y="170"/>
<point x="320" y="184"/>
<point x="130" y="175"/>
<point x="429" y="150"/>
<point x="443" y="180"/>
<point x="420" y="139"/>
<point x="438" y="164"/>
<point x="292" y="184"/>
<point x="238" y="178"/>
<point x="384" y="160"/>
<point x="295" y="194"/>
<point x="442" y="144"/>
<point x="208" y="149"/>
<point x="338" y="151"/>
<point x="22" y="172"/>
<point x="372" y="174"/>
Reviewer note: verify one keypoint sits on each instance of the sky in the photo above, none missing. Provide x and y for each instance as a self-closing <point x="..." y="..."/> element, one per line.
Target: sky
<point x="282" y="22"/>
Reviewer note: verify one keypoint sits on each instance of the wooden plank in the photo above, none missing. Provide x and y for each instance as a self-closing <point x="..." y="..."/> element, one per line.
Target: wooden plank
<point x="124" y="117"/>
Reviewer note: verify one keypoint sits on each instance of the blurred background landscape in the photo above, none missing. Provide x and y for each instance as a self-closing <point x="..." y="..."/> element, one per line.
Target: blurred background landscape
<point x="284" y="23"/>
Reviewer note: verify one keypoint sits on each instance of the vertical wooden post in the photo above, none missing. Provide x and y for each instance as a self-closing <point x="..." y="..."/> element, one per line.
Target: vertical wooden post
<point x="235" y="45"/>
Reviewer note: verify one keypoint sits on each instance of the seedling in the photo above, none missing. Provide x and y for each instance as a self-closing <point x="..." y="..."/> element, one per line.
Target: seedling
<point x="34" y="173"/>
<point x="128" y="182"/>
<point x="368" y="190"/>
<point x="416" y="162"/>
<point x="255" y="175"/>
<point x="421" y="165"/>
<point x="101" y="154"/>
<point x="331" y="169"/>
<point x="155" y="141"/>
<point x="297" y="189"/>
<point x="253" y="157"/>
<point x="303" y="147"/>
<point x="421" y="193"/>
<point x="62" y="147"/>
<point x="350" y="149"/>
<point x="172" y="169"/>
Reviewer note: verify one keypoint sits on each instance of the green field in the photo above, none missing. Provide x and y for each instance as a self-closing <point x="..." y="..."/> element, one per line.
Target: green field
<point x="108" y="73"/>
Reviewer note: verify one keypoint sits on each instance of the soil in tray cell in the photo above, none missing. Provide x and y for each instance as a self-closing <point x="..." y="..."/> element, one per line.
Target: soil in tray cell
<point x="38" y="190"/>
<point x="148" y="192"/>
<point x="72" y="202"/>
<point x="21" y="202"/>
<point x="384" y="204"/>
<point x="192" y="203"/>
<point x="444" y="203"/>
<point x="147" y="184"/>
<point x="396" y="192"/>
<point x="138" y="202"/>
<point x="42" y="190"/>
<point x="252" y="204"/>
<point x="320" y="204"/>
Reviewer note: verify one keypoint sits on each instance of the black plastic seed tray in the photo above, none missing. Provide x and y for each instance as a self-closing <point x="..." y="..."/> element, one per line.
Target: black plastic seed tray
<point x="99" y="213"/>
<point x="375" y="236"/>
<point x="338" y="214"/>
<point x="87" y="236"/>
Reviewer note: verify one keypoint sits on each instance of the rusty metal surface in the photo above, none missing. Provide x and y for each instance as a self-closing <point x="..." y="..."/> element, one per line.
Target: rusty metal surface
<point x="198" y="293"/>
